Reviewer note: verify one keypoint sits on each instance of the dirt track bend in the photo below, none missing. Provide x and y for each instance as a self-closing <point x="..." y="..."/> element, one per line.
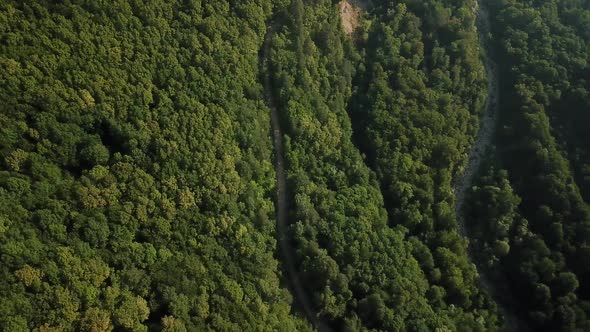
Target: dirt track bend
<point x="281" y="204"/>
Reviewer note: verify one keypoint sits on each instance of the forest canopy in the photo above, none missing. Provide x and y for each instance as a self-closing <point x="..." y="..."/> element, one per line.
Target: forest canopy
<point x="530" y="205"/>
<point x="137" y="180"/>
<point x="140" y="176"/>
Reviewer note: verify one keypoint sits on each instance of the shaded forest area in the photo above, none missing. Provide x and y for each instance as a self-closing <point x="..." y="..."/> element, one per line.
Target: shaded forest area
<point x="137" y="187"/>
<point x="530" y="205"/>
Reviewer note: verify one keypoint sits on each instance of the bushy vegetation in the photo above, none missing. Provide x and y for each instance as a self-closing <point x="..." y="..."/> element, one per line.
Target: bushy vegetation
<point x="533" y="217"/>
<point x="359" y="272"/>
<point x="416" y="112"/>
<point x="408" y="270"/>
<point x="137" y="181"/>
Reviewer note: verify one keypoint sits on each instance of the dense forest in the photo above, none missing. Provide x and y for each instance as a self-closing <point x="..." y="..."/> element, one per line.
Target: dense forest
<point x="136" y="186"/>
<point x="360" y="268"/>
<point x="417" y="108"/>
<point x="530" y="205"/>
<point x="138" y="179"/>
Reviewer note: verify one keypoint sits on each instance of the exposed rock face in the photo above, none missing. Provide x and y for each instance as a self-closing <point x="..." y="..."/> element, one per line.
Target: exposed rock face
<point x="349" y="16"/>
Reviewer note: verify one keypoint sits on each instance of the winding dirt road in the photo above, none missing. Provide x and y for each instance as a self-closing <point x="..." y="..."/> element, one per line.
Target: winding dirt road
<point x="281" y="204"/>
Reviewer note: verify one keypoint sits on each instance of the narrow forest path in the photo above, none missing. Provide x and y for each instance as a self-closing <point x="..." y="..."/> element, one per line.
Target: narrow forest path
<point x="495" y="285"/>
<point x="281" y="204"/>
<point x="487" y="124"/>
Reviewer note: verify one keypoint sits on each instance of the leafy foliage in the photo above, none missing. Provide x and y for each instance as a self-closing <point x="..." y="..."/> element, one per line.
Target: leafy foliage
<point x="361" y="268"/>
<point x="136" y="180"/>
<point x="533" y="218"/>
<point x="137" y="184"/>
<point x="416" y="112"/>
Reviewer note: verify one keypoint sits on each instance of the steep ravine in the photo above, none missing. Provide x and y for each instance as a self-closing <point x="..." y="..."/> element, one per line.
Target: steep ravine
<point x="281" y="204"/>
<point x="477" y="155"/>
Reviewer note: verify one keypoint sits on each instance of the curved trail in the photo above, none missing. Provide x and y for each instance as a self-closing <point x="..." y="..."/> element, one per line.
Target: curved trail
<point x="476" y="156"/>
<point x="281" y="203"/>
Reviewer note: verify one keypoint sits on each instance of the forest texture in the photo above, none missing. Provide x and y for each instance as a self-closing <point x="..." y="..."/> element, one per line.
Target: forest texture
<point x="530" y="205"/>
<point x="140" y="190"/>
<point x="363" y="265"/>
<point x="137" y="183"/>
